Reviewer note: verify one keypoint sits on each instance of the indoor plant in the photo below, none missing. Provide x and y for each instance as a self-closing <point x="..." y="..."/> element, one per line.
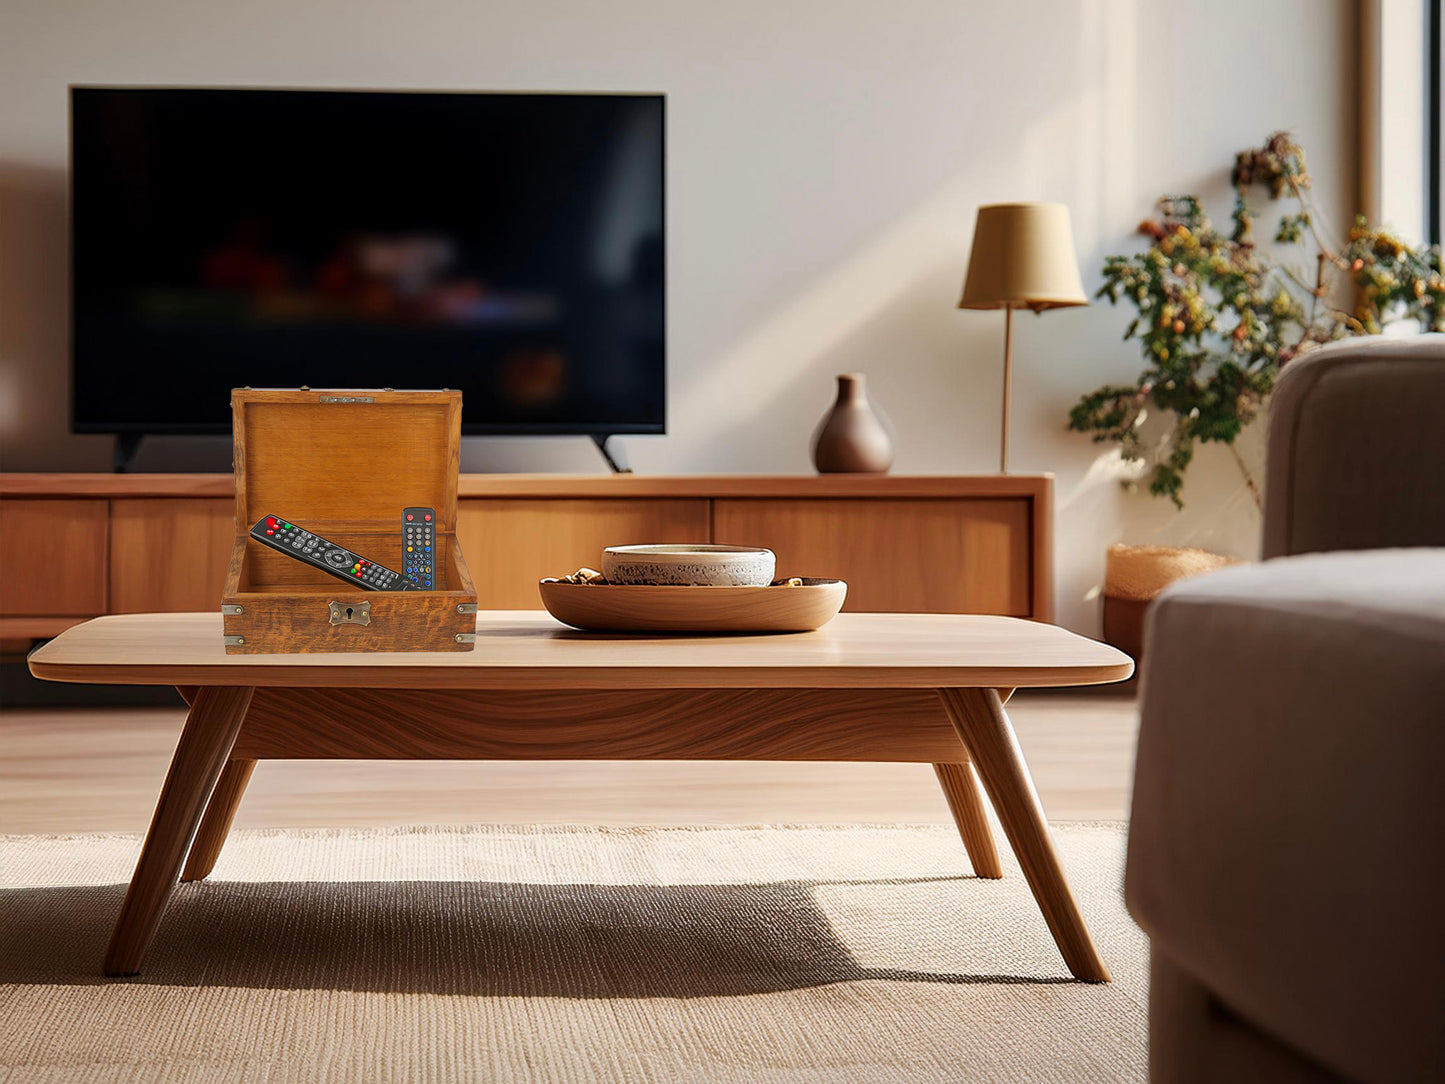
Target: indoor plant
<point x="1217" y="316"/>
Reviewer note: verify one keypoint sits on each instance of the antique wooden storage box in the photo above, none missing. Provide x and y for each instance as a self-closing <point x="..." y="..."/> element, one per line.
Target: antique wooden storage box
<point x="344" y="465"/>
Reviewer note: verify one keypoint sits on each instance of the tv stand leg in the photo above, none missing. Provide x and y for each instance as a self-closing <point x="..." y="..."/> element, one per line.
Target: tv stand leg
<point x="126" y="445"/>
<point x="616" y="461"/>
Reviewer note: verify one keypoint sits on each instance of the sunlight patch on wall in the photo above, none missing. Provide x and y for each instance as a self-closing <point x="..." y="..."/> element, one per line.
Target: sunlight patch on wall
<point x="888" y="268"/>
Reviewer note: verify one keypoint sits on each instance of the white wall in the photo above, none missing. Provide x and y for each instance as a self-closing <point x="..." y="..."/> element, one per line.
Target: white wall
<point x="824" y="162"/>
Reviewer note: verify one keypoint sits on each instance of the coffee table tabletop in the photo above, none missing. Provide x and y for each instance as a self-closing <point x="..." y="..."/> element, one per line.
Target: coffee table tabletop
<point x="517" y="649"/>
<point x="921" y="687"/>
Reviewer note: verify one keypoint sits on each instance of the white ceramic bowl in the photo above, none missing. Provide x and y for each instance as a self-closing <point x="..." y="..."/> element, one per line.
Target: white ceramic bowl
<point x="689" y="566"/>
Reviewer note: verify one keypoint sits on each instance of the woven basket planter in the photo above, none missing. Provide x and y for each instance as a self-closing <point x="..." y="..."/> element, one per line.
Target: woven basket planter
<point x="1134" y="575"/>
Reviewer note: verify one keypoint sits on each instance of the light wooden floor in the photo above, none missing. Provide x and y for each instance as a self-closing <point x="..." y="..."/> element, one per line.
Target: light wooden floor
<point x="95" y="770"/>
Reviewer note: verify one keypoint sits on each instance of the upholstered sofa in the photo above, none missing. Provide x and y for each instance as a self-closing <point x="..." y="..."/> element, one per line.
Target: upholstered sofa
<point x="1287" y="839"/>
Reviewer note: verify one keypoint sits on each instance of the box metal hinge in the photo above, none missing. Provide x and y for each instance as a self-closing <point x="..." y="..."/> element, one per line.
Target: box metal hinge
<point x="230" y="609"/>
<point x="466" y="637"/>
<point x="466" y="607"/>
<point x="233" y="641"/>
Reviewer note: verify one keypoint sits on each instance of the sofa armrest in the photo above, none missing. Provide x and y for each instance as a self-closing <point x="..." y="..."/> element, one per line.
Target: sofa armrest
<point x="1286" y="836"/>
<point x="1357" y="448"/>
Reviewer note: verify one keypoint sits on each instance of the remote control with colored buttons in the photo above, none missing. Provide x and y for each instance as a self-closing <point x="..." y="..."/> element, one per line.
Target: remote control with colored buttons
<point x="312" y="549"/>
<point x="418" y="537"/>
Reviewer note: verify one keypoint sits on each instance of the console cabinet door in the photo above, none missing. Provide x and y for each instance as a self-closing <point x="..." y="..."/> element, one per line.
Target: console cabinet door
<point x="52" y="557"/>
<point x="919" y="556"/>
<point x="510" y="544"/>
<point x="170" y="554"/>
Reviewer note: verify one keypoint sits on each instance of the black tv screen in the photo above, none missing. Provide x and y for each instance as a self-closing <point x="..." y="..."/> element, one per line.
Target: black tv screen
<point x="507" y="245"/>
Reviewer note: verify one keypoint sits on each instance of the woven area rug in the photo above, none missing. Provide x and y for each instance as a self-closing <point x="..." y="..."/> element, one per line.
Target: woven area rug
<point x="848" y="953"/>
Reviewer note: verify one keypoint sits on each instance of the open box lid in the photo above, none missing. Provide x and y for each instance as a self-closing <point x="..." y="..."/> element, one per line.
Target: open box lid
<point x="345" y="457"/>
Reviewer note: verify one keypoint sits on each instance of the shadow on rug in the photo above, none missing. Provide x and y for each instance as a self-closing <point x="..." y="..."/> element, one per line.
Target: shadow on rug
<point x="449" y="937"/>
<point x="572" y="955"/>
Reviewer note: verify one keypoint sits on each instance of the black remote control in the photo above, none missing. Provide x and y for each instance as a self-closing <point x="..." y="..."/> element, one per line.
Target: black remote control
<point x="418" y="542"/>
<point x="312" y="549"/>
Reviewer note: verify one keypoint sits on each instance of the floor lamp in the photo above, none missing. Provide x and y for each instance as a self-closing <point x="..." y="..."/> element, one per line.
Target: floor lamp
<point x="1023" y="257"/>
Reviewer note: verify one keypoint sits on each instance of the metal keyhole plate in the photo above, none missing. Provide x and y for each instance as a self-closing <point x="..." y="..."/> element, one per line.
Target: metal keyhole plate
<point x="358" y="613"/>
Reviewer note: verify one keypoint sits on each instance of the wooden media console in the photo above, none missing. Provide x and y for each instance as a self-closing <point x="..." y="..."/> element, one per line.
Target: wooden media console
<point x="75" y="546"/>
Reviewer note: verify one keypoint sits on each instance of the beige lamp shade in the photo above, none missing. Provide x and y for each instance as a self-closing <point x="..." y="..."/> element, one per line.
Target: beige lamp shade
<point x="1023" y="257"/>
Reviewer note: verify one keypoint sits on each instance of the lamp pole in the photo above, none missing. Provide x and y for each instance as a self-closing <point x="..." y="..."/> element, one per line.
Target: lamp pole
<point x="1008" y="346"/>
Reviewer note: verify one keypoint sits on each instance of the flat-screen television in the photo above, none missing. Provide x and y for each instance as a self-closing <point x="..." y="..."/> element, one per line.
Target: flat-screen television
<point x="507" y="245"/>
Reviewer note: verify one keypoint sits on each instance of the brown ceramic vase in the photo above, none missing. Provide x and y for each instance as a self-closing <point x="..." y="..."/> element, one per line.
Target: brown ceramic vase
<point x="852" y="438"/>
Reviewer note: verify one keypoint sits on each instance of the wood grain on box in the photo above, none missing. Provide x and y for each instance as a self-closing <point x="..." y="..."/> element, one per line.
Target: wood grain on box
<point x="343" y="463"/>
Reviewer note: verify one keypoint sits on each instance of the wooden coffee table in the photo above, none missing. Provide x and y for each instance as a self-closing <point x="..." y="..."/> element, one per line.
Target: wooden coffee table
<point x="878" y="687"/>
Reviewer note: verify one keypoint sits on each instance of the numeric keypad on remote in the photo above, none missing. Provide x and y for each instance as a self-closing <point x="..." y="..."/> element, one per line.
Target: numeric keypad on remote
<point x="418" y="545"/>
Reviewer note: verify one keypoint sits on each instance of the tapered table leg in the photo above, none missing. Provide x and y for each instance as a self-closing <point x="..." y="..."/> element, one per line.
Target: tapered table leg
<point x="216" y="824"/>
<point x="966" y="805"/>
<point x="979" y="718"/>
<point x="205" y="745"/>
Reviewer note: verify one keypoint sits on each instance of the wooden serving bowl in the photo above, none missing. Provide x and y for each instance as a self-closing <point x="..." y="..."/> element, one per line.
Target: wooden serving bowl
<point x="624" y="608"/>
